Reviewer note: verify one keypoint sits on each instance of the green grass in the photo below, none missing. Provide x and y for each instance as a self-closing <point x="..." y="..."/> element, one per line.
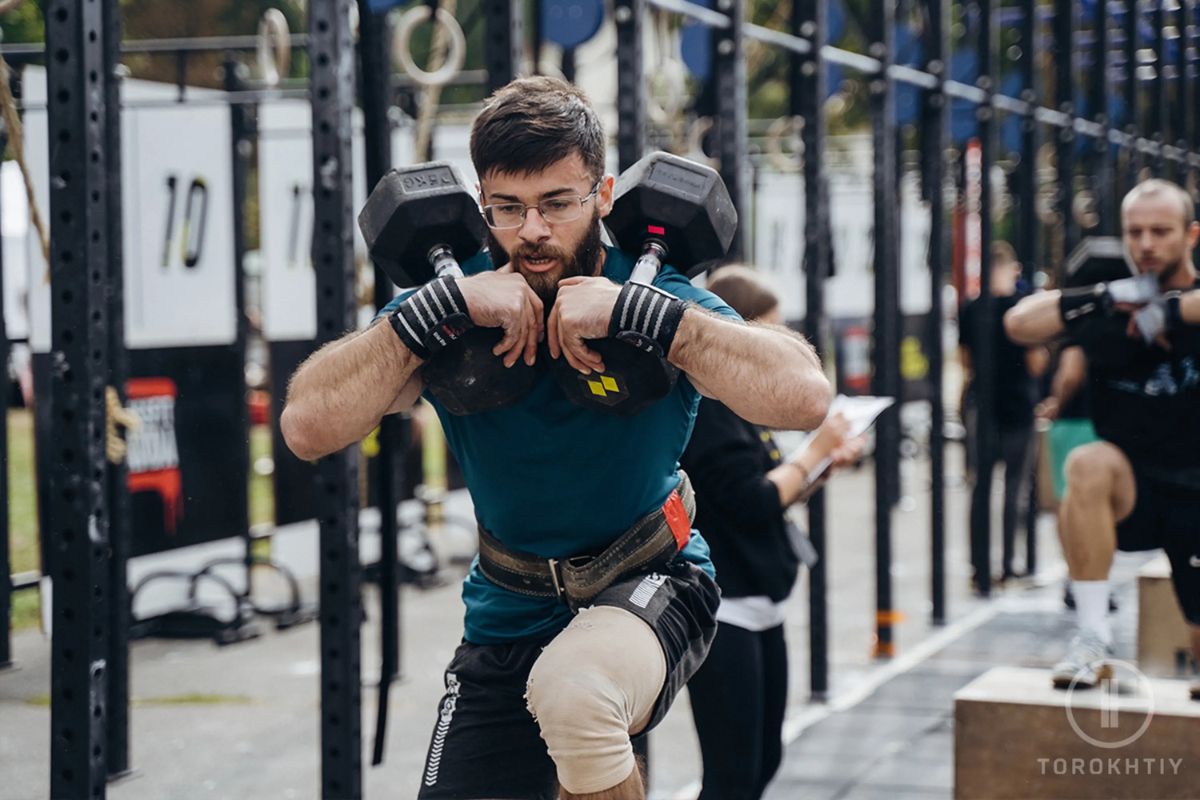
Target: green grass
<point x="22" y="504"/>
<point x="26" y="610"/>
<point x="262" y="491"/>
<point x="22" y="515"/>
<point x="195" y="699"/>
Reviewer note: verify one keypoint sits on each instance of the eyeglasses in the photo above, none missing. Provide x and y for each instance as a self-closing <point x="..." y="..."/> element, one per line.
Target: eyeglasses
<point x="554" y="210"/>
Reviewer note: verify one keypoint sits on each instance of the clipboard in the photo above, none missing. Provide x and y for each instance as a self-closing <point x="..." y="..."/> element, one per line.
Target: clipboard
<point x="860" y="412"/>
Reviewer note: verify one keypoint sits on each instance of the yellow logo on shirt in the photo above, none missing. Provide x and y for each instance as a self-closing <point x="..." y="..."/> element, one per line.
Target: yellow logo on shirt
<point x="603" y="386"/>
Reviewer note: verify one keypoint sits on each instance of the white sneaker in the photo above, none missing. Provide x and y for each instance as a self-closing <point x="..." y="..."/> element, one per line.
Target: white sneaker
<point x="1085" y="663"/>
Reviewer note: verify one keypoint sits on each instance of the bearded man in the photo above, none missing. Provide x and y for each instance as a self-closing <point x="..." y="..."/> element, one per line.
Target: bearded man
<point x="1138" y="488"/>
<point x="542" y="696"/>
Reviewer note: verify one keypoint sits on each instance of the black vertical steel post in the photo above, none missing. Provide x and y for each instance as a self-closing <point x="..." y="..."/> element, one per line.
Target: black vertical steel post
<point x="567" y="63"/>
<point x="808" y="78"/>
<point x="119" y="501"/>
<point x="983" y="351"/>
<point x="374" y="72"/>
<point x="1190" y="85"/>
<point x="1179" y="104"/>
<point x="1157" y="89"/>
<point x="504" y="39"/>
<point x="5" y="561"/>
<point x="729" y="73"/>
<point x="1102" y="169"/>
<point x="1064" y="59"/>
<point x="539" y="38"/>
<point x="78" y="509"/>
<point x="935" y="111"/>
<point x="885" y="356"/>
<point x="332" y="90"/>
<point x="1133" y="123"/>
<point x="628" y="15"/>
<point x="1027" y="224"/>
<point x="241" y="136"/>
<point x="631" y="84"/>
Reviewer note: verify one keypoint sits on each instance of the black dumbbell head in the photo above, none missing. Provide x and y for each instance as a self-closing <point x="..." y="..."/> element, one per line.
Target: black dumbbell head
<point x="414" y="209"/>
<point x="1096" y="259"/>
<point x="678" y="201"/>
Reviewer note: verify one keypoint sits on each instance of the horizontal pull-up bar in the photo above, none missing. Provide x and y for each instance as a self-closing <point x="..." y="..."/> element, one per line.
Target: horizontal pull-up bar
<point x="191" y="44"/>
<point x="912" y="76"/>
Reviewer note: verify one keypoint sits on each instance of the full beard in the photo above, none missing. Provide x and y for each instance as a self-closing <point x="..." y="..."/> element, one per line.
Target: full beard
<point x="584" y="260"/>
<point x="1170" y="272"/>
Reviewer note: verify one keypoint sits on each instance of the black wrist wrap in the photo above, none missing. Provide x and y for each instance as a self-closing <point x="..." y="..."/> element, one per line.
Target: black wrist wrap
<point x="1076" y="303"/>
<point x="646" y="317"/>
<point x="1174" y="314"/>
<point x="431" y="317"/>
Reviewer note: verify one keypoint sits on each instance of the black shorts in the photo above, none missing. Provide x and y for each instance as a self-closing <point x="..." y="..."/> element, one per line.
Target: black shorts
<point x="487" y="745"/>
<point x="1168" y="516"/>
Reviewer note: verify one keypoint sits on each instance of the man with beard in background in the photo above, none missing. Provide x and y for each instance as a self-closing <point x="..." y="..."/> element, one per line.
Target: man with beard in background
<point x="1138" y="488"/>
<point x="542" y="697"/>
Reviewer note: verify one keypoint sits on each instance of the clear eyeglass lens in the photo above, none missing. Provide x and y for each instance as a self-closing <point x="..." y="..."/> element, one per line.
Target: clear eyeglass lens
<point x="561" y="209"/>
<point x="554" y="210"/>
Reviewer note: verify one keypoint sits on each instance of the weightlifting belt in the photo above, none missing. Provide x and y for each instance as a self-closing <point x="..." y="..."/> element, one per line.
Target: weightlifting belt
<point x="649" y="544"/>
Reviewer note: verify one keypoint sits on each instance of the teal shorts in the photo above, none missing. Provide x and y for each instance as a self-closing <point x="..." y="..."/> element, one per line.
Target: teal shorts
<point x="1064" y="436"/>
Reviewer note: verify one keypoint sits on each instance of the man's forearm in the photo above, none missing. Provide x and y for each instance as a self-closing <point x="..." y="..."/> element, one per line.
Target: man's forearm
<point x="1035" y="319"/>
<point x="1070" y="375"/>
<point x="339" y="394"/>
<point x="767" y="375"/>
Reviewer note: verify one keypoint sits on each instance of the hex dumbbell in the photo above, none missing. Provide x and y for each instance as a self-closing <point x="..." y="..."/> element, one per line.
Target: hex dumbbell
<point x="664" y="208"/>
<point x="418" y="223"/>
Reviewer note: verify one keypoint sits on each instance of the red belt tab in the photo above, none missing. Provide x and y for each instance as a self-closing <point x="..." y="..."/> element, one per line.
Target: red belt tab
<point x="677" y="519"/>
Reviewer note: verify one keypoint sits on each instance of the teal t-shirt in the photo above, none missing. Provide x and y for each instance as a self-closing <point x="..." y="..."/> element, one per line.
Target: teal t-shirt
<point x="554" y="479"/>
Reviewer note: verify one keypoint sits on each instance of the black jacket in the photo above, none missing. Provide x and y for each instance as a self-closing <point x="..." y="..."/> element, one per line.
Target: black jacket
<point x="737" y="508"/>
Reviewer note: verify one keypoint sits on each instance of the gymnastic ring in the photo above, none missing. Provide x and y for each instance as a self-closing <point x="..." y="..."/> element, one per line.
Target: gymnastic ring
<point x="791" y="125"/>
<point x="402" y="50"/>
<point x="273" y="30"/>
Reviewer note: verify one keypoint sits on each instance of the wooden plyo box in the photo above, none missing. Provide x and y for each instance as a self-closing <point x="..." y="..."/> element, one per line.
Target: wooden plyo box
<point x="1164" y="640"/>
<point x="1016" y="738"/>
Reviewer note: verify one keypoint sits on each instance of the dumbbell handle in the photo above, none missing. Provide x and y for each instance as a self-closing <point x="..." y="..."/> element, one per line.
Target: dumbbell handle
<point x="647" y="267"/>
<point x="445" y="265"/>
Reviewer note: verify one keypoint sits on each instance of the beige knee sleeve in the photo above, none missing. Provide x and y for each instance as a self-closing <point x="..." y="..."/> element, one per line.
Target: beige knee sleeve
<point x="592" y="686"/>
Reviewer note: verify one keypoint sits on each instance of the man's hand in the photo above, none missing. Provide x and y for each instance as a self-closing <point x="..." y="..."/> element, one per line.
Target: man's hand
<point x="1129" y="294"/>
<point x="848" y="453"/>
<point x="1047" y="409"/>
<point x="829" y="437"/>
<point x="1152" y="321"/>
<point x="582" y="310"/>
<point x="502" y="299"/>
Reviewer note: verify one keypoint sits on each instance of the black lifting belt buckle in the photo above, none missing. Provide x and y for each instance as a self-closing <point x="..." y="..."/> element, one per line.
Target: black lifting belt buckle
<point x="648" y="545"/>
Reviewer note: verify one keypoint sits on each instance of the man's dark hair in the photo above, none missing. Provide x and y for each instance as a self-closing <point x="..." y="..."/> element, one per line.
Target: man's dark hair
<point x="533" y="123"/>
